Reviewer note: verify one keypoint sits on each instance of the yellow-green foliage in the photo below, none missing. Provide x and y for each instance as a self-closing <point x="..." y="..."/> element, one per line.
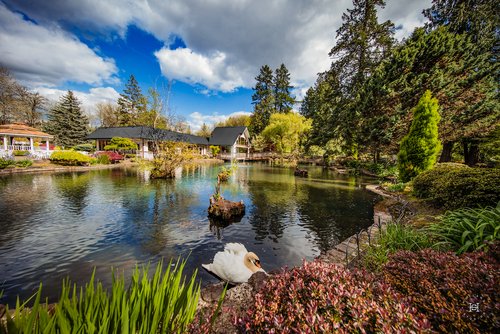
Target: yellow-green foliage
<point x="419" y="149"/>
<point x="121" y="144"/>
<point x="70" y="158"/>
<point x="286" y="131"/>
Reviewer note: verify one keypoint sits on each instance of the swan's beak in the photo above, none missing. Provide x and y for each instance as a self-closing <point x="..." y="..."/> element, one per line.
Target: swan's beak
<point x="257" y="263"/>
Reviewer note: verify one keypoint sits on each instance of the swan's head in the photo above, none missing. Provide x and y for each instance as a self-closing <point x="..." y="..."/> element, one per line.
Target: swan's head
<point x="252" y="262"/>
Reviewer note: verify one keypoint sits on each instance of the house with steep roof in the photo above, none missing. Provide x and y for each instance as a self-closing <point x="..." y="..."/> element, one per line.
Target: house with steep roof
<point x="145" y="136"/>
<point x="233" y="140"/>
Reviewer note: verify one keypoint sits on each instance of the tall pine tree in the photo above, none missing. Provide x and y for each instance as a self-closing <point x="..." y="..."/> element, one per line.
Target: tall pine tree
<point x="362" y="43"/>
<point x="132" y="103"/>
<point x="263" y="100"/>
<point x="283" y="100"/>
<point x="67" y="122"/>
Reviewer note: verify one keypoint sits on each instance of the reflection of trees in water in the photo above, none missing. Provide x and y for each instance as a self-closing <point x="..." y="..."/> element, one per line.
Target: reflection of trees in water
<point x="152" y="208"/>
<point x="217" y="227"/>
<point x="273" y="204"/>
<point x="334" y="213"/>
<point x="74" y="189"/>
<point x="332" y="210"/>
<point x="17" y="192"/>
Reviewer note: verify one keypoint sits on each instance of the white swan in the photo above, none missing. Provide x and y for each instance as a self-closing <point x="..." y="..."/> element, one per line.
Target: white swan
<point x="235" y="264"/>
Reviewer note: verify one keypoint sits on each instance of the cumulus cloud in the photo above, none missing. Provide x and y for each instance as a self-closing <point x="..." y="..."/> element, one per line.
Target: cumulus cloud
<point x="228" y="41"/>
<point x="196" y="119"/>
<point x="213" y="72"/>
<point x="41" y="55"/>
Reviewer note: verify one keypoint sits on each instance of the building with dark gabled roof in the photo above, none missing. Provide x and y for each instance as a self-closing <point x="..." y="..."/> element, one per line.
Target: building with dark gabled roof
<point x="144" y="136"/>
<point x="233" y="140"/>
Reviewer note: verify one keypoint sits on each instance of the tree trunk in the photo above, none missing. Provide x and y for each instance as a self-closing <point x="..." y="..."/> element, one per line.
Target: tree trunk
<point x="446" y="153"/>
<point x="471" y="153"/>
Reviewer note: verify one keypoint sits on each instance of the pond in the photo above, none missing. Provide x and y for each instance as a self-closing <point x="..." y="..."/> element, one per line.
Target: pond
<point x="61" y="225"/>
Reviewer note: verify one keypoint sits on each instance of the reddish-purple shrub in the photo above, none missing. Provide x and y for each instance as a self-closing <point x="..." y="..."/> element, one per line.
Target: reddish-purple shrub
<point x="113" y="156"/>
<point x="325" y="298"/>
<point x="458" y="294"/>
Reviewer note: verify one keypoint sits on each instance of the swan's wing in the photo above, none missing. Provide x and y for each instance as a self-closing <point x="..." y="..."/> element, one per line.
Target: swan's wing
<point x="229" y="267"/>
<point x="235" y="248"/>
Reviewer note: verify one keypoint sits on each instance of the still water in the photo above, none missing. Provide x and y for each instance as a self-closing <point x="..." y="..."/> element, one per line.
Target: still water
<point x="61" y="225"/>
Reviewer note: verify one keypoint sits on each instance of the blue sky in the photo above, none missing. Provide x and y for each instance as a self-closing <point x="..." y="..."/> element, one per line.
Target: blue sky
<point x="210" y="50"/>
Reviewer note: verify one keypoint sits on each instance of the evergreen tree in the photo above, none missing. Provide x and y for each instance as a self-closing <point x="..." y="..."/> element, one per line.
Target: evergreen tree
<point x="67" y="122"/>
<point x="132" y="103"/>
<point x="420" y="148"/>
<point x="283" y="101"/>
<point x="263" y="100"/>
<point x="459" y="75"/>
<point x="321" y="105"/>
<point x="362" y="43"/>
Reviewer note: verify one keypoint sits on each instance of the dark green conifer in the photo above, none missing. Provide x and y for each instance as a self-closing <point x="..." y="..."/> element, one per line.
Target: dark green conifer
<point x="132" y="103"/>
<point x="67" y="122"/>
<point x="263" y="100"/>
<point x="283" y="100"/>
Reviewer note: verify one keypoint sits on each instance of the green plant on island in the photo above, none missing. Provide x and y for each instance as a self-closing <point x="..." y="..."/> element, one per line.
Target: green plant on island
<point x="215" y="150"/>
<point x="420" y="148"/>
<point x="467" y="230"/>
<point x="167" y="158"/>
<point x="224" y="174"/>
<point x="164" y="302"/>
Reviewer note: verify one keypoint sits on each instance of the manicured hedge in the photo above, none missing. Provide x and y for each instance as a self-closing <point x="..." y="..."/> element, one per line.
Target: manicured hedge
<point x="446" y="288"/>
<point x="326" y="298"/>
<point x="70" y="158"/>
<point x="454" y="186"/>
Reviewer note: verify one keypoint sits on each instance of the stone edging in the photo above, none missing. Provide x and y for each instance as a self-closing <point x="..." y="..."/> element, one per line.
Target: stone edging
<point x="347" y="250"/>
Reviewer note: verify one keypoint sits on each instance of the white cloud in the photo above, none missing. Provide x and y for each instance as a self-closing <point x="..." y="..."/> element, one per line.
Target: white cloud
<point x="88" y="100"/>
<point x="213" y="72"/>
<point x="196" y="119"/>
<point x="39" y="55"/>
<point x="228" y="40"/>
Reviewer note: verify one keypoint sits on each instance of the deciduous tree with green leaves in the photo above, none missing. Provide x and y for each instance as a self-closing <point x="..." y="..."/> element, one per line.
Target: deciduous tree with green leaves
<point x="287" y="132"/>
<point x="420" y="148"/>
<point x="67" y="122"/>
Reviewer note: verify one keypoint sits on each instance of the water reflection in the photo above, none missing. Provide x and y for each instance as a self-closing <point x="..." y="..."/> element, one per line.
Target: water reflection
<point x="58" y="225"/>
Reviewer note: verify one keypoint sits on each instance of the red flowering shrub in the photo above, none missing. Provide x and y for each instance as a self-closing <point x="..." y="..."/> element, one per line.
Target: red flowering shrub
<point x="448" y="288"/>
<point x="112" y="156"/>
<point x="325" y="298"/>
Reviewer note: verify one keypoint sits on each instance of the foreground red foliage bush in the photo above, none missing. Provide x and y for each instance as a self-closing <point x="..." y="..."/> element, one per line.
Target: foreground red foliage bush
<point x="458" y="294"/>
<point x="113" y="156"/>
<point x="325" y="298"/>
